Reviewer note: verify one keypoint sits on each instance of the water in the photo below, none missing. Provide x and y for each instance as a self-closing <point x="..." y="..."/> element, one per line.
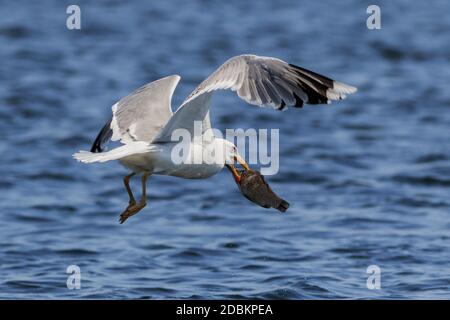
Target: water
<point x="368" y="179"/>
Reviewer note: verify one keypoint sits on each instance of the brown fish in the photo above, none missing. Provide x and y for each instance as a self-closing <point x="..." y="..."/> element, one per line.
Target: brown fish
<point x="255" y="188"/>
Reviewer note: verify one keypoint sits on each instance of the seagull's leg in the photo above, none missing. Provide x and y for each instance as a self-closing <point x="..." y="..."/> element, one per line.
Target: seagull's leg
<point x="143" y="201"/>
<point x="234" y="172"/>
<point x="136" y="207"/>
<point x="126" y="182"/>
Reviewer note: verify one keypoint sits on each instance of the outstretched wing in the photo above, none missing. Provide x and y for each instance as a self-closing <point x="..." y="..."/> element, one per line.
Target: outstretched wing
<point x="262" y="81"/>
<point x="140" y="115"/>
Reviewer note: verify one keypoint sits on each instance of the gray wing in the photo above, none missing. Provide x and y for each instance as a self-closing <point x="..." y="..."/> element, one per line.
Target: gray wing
<point x="262" y="81"/>
<point x="140" y="115"/>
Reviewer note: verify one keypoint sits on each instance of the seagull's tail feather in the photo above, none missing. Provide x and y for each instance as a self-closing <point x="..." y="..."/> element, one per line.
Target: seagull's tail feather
<point x="114" y="154"/>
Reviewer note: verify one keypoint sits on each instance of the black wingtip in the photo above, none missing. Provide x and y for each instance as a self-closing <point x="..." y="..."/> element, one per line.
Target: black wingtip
<point x="315" y="87"/>
<point x="102" y="136"/>
<point x="96" y="148"/>
<point x="282" y="106"/>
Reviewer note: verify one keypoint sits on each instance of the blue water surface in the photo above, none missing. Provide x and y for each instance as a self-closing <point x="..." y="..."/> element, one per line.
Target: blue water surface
<point x="368" y="178"/>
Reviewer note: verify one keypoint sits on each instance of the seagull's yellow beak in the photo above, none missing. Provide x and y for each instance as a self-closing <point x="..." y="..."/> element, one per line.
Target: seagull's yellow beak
<point x="235" y="173"/>
<point x="242" y="162"/>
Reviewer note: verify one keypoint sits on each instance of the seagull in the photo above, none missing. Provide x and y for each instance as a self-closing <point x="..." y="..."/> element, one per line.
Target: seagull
<point x="143" y="121"/>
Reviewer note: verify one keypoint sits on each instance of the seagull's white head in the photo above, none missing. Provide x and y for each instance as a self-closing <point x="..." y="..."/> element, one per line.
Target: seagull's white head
<point x="227" y="149"/>
<point x="231" y="155"/>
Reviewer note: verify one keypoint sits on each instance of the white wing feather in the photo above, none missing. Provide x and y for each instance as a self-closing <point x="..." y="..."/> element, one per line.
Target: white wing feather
<point x="262" y="81"/>
<point x="114" y="154"/>
<point x="142" y="114"/>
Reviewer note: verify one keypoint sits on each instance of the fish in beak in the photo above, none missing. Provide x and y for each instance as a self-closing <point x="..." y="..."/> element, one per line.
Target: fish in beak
<point x="254" y="187"/>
